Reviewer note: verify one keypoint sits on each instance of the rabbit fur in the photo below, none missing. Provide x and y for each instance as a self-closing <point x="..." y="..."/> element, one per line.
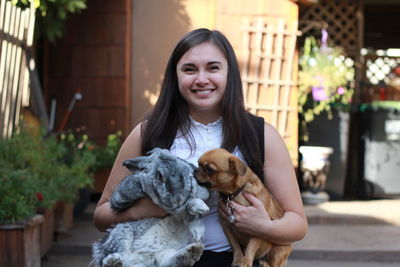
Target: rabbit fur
<point x="166" y="242"/>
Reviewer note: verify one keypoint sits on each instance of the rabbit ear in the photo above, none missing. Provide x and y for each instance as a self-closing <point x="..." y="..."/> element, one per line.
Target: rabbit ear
<point x="134" y="164"/>
<point x="154" y="150"/>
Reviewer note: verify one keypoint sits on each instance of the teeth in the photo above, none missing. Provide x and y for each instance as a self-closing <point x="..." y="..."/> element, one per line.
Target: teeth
<point x="203" y="92"/>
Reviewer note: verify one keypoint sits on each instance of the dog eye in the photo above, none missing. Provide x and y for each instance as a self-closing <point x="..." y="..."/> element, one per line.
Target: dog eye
<point x="210" y="171"/>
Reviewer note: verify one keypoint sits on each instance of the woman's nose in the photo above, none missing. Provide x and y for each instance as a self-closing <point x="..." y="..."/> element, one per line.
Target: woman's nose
<point x="202" y="78"/>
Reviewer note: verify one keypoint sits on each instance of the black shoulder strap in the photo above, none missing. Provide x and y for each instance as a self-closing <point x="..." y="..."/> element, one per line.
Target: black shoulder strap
<point x="259" y="123"/>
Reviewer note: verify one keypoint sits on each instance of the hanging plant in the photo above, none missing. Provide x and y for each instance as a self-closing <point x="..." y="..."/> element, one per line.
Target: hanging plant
<point x="325" y="80"/>
<point x="51" y="15"/>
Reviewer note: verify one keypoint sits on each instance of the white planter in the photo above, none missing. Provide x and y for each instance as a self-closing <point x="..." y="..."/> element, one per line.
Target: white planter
<point x="315" y="168"/>
<point x="315" y="157"/>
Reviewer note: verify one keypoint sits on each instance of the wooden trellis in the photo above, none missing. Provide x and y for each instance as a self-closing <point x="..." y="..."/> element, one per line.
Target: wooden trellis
<point x="269" y="73"/>
<point x="342" y="19"/>
<point x="376" y="82"/>
<point x="16" y="34"/>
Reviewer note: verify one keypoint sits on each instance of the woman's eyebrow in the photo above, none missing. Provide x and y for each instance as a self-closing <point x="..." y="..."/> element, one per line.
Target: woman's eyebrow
<point x="188" y="65"/>
<point x="214" y="62"/>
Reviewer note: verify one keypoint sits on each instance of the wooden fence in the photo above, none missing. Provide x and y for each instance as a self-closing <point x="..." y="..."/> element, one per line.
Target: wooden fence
<point x="269" y="73"/>
<point x="16" y="36"/>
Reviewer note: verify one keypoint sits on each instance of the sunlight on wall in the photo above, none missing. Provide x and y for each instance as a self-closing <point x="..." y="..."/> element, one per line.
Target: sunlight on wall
<point x="202" y="13"/>
<point x="151" y="97"/>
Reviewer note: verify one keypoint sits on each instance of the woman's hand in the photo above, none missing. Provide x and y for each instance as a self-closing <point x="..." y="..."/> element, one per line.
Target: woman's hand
<point x="146" y="206"/>
<point x="247" y="219"/>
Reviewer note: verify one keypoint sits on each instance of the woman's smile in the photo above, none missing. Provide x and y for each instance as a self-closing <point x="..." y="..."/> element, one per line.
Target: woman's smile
<point x="203" y="92"/>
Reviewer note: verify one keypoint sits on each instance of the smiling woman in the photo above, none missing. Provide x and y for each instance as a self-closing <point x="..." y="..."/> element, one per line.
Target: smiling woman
<point x="201" y="107"/>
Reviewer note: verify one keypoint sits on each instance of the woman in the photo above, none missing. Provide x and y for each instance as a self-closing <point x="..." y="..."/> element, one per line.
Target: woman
<point x="201" y="107"/>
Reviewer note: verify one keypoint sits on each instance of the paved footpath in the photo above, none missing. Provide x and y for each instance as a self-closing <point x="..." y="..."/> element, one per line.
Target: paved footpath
<point x="345" y="234"/>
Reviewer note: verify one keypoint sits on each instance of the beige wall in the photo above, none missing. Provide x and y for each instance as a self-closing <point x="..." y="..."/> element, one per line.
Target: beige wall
<point x="157" y="26"/>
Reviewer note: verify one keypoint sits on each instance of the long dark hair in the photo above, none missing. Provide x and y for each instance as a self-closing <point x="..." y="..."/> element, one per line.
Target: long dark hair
<point x="171" y="112"/>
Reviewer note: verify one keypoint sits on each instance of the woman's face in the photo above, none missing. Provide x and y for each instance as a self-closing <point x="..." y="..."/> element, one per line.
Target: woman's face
<point x="202" y="74"/>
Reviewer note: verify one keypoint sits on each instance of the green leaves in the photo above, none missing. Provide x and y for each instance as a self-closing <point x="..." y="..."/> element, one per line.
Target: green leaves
<point x="51" y="15"/>
<point x="325" y="81"/>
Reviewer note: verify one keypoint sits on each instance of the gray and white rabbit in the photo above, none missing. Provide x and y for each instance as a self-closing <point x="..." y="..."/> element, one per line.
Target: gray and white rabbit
<point x="166" y="242"/>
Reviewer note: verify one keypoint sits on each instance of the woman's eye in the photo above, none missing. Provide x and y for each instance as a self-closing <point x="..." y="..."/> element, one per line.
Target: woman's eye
<point x="188" y="70"/>
<point x="215" y="67"/>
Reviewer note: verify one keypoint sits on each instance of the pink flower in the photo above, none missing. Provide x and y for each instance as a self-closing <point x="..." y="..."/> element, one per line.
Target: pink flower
<point x="340" y="90"/>
<point x="318" y="93"/>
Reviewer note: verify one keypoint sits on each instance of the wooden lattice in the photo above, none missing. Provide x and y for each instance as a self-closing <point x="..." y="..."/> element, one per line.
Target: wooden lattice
<point x="340" y="17"/>
<point x="269" y="73"/>
<point x="376" y="84"/>
<point x="16" y="34"/>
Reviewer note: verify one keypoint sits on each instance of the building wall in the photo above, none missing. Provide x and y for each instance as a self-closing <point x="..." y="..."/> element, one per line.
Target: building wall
<point x="93" y="55"/>
<point x="117" y="51"/>
<point x="156" y="28"/>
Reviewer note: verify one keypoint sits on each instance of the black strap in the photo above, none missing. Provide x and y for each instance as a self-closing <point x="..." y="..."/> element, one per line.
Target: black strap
<point x="259" y="123"/>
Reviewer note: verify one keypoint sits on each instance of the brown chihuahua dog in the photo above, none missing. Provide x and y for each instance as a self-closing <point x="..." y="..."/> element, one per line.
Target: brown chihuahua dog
<point x="221" y="171"/>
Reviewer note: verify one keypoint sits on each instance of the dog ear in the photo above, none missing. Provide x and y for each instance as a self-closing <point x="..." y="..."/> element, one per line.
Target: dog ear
<point x="236" y="166"/>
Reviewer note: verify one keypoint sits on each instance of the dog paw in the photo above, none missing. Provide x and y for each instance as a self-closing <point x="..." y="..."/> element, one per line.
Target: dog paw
<point x="263" y="263"/>
<point x="241" y="264"/>
<point x="112" y="260"/>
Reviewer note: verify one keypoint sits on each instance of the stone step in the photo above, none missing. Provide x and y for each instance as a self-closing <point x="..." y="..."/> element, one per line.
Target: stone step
<point x="350" y="242"/>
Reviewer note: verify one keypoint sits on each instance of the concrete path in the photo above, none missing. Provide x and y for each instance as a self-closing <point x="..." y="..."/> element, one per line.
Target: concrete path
<point x="345" y="234"/>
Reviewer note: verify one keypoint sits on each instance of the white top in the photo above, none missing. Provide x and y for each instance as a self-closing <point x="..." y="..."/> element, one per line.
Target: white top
<point x="207" y="137"/>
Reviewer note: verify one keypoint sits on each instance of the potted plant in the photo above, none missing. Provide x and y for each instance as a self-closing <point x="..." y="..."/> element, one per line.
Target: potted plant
<point x="75" y="175"/>
<point x="20" y="195"/>
<point x="105" y="157"/>
<point x="326" y="81"/>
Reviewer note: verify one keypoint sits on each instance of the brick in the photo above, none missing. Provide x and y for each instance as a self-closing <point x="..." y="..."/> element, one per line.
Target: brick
<point x="117" y="61"/>
<point x="92" y="30"/>
<point x="114" y="30"/>
<point x="106" y="6"/>
<point x="114" y="92"/>
<point x="60" y="61"/>
<point x="91" y="89"/>
<point x="90" y="61"/>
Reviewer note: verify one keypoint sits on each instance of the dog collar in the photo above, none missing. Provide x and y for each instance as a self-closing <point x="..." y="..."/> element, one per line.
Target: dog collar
<point x="226" y="198"/>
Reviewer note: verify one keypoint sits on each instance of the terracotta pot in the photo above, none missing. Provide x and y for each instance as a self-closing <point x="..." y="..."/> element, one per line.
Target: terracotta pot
<point x="20" y="243"/>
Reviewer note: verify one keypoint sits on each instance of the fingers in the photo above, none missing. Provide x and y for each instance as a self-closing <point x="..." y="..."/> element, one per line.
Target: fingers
<point x="252" y="199"/>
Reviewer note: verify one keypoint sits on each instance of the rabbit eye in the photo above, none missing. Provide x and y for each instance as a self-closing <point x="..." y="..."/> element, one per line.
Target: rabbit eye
<point x="160" y="177"/>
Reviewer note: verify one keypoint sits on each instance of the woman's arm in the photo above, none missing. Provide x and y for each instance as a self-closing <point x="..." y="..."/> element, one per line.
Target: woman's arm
<point x="280" y="179"/>
<point x="104" y="217"/>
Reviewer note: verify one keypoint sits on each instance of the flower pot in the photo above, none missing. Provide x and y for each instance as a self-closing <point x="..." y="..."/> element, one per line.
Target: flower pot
<point x="315" y="168"/>
<point x="63" y="216"/>
<point x="46" y="231"/>
<point x="20" y="243"/>
<point x="333" y="133"/>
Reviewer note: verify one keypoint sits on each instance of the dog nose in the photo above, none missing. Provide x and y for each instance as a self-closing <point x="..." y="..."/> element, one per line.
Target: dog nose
<point x="195" y="172"/>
